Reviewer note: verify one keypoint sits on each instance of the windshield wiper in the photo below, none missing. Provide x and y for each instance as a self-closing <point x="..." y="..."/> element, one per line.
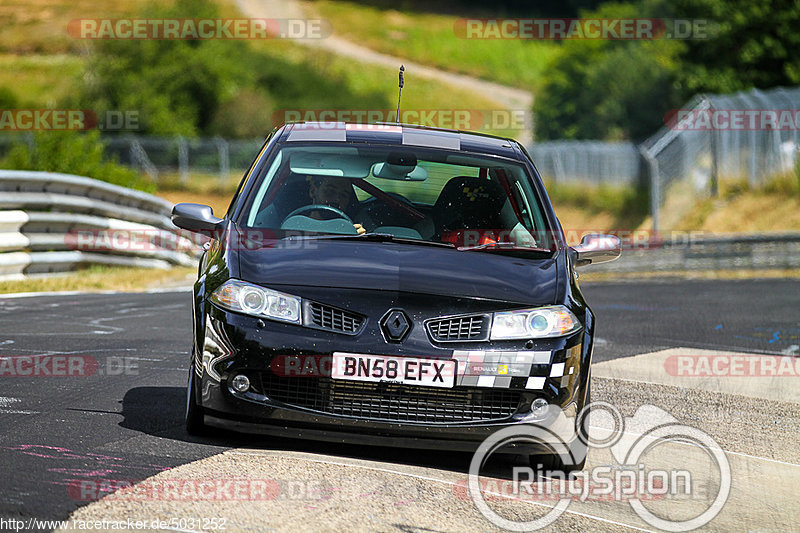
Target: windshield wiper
<point x="375" y="237"/>
<point x="502" y="246"/>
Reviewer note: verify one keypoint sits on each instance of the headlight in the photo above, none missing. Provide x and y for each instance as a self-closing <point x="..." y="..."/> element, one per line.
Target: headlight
<point x="254" y="300"/>
<point x="551" y="321"/>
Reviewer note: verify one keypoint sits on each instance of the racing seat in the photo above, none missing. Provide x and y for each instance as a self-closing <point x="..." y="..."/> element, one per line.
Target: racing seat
<point x="469" y="203"/>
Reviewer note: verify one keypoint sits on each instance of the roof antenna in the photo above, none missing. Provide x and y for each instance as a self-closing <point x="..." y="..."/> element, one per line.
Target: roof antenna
<point x="400" y="93"/>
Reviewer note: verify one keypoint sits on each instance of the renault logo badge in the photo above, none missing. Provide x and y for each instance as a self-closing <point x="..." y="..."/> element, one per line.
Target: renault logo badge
<point x="395" y="325"/>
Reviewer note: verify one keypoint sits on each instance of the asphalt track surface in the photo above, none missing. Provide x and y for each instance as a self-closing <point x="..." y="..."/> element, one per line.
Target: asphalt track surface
<point x="124" y="421"/>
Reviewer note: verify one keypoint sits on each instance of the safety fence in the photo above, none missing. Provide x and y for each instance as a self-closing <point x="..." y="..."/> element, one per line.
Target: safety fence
<point x="588" y="162"/>
<point x="155" y="156"/>
<point x="58" y="222"/>
<point x="750" y="135"/>
<point x="158" y="157"/>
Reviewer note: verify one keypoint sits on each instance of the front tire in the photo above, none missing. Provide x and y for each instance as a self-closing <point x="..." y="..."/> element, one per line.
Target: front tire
<point x="580" y="446"/>
<point x="194" y="418"/>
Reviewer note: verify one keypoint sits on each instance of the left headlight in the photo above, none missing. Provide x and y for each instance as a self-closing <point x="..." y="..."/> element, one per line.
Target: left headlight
<point x="250" y="299"/>
<point x="551" y="321"/>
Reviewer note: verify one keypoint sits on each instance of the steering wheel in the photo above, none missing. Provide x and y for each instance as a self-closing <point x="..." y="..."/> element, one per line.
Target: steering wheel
<point x="315" y="207"/>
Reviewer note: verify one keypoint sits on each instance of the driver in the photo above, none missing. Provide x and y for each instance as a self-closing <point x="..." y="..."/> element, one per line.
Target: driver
<point x="334" y="192"/>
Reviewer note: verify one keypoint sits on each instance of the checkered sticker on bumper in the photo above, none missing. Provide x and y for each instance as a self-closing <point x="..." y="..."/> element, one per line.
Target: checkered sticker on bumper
<point x="527" y="369"/>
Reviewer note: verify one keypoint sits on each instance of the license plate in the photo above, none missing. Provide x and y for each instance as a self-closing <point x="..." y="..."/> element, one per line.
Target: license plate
<point x="406" y="370"/>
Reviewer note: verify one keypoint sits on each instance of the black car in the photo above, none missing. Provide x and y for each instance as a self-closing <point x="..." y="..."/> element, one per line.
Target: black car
<point x="388" y="284"/>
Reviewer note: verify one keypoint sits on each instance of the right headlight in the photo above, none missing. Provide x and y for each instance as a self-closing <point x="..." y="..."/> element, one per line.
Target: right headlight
<point x="243" y="297"/>
<point x="541" y="322"/>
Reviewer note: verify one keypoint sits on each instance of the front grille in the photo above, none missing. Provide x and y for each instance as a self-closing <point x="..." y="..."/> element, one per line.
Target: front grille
<point x="392" y="402"/>
<point x="333" y="319"/>
<point x="460" y="328"/>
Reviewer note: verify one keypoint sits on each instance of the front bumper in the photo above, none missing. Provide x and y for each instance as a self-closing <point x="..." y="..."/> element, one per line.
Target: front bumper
<point x="399" y="435"/>
<point x="316" y="407"/>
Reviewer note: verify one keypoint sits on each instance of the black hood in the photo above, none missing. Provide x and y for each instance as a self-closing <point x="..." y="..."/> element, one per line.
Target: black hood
<point x="399" y="267"/>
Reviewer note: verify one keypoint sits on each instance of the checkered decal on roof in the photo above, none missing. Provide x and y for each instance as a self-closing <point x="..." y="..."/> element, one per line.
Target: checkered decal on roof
<point x="516" y="370"/>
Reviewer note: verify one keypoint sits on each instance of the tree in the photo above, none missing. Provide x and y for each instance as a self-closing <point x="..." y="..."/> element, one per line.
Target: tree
<point x="751" y="44"/>
<point x="609" y="89"/>
<point x="175" y="85"/>
<point x="622" y="89"/>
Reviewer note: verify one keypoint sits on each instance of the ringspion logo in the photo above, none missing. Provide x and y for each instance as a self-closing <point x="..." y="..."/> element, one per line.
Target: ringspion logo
<point x="636" y="477"/>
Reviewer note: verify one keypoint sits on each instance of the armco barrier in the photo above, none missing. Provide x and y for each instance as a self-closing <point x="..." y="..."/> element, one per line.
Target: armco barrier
<point x="697" y="252"/>
<point x="59" y="222"/>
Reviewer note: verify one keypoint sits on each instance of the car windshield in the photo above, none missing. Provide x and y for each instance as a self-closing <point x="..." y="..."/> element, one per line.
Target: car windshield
<point x="410" y="194"/>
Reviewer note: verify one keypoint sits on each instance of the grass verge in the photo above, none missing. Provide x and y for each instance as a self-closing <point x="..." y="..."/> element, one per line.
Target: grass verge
<point x="429" y="37"/>
<point x="738" y="208"/>
<point x="40" y="26"/>
<point x="584" y="209"/>
<point x="39" y="80"/>
<point x="101" y="278"/>
<point x="379" y="83"/>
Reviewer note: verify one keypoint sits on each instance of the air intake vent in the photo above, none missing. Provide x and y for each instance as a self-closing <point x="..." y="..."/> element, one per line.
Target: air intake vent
<point x="460" y="328"/>
<point x="388" y="401"/>
<point x="333" y="319"/>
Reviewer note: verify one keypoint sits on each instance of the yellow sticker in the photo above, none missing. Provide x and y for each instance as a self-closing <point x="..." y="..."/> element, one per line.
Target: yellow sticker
<point x="502" y="369"/>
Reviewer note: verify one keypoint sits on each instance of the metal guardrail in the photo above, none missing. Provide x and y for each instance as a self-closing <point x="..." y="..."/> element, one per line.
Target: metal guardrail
<point x="59" y="222"/>
<point x="699" y="252"/>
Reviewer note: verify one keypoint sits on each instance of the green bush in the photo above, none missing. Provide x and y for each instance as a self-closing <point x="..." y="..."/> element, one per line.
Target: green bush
<point x="628" y="205"/>
<point x="76" y="153"/>
<point x="175" y="85"/>
<point x="751" y="44"/>
<point x="209" y="87"/>
<point x="617" y="89"/>
<point x="245" y="116"/>
<point x="607" y="89"/>
<point x="787" y="184"/>
<point x="7" y="99"/>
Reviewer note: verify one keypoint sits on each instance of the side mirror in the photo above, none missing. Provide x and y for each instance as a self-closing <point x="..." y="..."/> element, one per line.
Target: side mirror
<point x="595" y="249"/>
<point x="195" y="217"/>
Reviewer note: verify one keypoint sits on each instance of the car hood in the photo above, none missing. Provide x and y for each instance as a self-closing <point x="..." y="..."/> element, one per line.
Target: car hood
<point x="402" y="268"/>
